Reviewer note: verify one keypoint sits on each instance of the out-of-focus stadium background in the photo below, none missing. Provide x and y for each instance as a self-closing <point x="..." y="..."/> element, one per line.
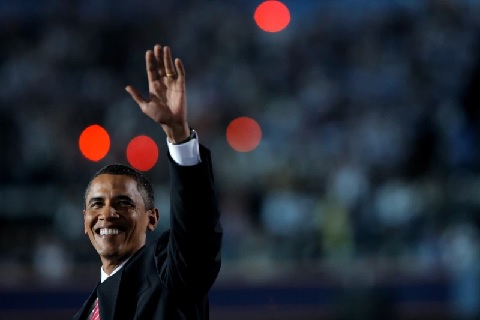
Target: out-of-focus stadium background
<point x="362" y="200"/>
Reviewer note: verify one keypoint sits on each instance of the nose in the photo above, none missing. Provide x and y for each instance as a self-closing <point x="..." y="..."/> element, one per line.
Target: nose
<point x="108" y="212"/>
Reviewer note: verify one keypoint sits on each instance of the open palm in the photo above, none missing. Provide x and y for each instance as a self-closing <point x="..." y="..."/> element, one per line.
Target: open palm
<point x="167" y="102"/>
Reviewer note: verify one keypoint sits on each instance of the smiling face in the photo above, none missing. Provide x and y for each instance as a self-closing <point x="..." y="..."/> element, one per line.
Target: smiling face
<point x="115" y="217"/>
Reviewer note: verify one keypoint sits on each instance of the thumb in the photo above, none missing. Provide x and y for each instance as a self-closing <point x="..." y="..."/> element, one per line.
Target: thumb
<point x="139" y="99"/>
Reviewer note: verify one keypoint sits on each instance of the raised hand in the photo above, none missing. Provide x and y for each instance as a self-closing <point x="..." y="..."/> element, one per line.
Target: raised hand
<point x="167" y="101"/>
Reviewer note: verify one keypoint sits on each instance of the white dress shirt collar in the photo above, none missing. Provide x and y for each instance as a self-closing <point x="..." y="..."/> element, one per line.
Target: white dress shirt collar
<point x="104" y="275"/>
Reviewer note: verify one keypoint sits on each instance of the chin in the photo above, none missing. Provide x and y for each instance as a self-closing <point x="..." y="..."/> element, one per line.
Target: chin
<point x="114" y="254"/>
<point x="109" y="255"/>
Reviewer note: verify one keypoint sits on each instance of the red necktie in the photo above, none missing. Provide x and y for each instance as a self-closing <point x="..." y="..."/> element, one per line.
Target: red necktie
<point x="95" y="312"/>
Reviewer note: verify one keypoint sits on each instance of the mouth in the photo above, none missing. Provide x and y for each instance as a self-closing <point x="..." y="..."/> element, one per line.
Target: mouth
<point x="109" y="232"/>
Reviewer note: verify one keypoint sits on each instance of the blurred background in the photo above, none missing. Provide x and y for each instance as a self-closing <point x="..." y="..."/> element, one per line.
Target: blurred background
<point x="361" y="201"/>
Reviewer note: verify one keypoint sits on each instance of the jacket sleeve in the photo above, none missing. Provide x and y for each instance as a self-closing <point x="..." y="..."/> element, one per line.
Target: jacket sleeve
<point x="192" y="260"/>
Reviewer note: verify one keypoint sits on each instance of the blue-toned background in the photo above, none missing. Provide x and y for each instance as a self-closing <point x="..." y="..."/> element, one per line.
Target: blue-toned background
<point x="362" y="200"/>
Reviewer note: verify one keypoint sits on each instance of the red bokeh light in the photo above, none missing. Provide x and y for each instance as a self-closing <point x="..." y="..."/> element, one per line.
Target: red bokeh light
<point x="94" y="142"/>
<point x="244" y="134"/>
<point x="272" y="16"/>
<point x="142" y="153"/>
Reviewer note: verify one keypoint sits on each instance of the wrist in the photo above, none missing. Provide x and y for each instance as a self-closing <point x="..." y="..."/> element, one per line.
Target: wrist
<point x="192" y="135"/>
<point x="177" y="134"/>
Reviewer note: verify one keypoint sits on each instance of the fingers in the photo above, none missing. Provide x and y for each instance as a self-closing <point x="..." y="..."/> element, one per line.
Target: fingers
<point x="157" y="50"/>
<point x="151" y="65"/>
<point x="160" y="64"/>
<point x="168" y="62"/>
<point x="139" y="99"/>
<point x="180" y="68"/>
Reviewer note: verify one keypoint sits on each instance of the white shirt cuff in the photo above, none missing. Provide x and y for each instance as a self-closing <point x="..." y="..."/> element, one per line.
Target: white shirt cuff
<point x="185" y="154"/>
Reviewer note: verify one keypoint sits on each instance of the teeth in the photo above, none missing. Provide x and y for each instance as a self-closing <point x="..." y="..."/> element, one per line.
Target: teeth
<point x="108" y="231"/>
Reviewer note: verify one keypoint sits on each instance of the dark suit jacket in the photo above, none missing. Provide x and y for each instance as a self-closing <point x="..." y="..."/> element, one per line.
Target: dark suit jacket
<point x="170" y="278"/>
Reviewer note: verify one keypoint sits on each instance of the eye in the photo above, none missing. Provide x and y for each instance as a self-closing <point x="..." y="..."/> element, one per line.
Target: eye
<point x="125" y="203"/>
<point x="96" y="204"/>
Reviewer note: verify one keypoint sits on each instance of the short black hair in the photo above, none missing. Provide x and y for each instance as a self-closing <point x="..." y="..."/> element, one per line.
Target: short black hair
<point x="143" y="184"/>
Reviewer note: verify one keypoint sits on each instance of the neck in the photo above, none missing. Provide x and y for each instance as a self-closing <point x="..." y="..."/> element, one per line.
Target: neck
<point x="110" y="266"/>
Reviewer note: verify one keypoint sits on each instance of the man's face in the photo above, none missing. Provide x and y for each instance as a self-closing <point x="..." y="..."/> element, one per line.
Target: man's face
<point x="115" y="217"/>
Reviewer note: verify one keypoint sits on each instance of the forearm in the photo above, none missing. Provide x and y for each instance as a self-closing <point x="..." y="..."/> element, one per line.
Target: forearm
<point x="195" y="231"/>
<point x="193" y="200"/>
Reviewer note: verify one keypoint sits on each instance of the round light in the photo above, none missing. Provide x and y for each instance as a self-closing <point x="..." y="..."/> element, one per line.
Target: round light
<point x="244" y="134"/>
<point x="94" y="142"/>
<point x="272" y="16"/>
<point x="142" y="153"/>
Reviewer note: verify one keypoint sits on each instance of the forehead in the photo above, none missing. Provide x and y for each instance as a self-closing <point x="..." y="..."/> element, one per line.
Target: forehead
<point x="113" y="184"/>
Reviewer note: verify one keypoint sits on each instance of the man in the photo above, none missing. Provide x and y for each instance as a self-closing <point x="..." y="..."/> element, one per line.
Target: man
<point x="168" y="279"/>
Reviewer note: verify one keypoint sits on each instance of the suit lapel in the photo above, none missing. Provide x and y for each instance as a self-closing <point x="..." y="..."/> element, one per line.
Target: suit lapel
<point x="115" y="293"/>
<point x="83" y="312"/>
<point x="133" y="283"/>
<point x="108" y="295"/>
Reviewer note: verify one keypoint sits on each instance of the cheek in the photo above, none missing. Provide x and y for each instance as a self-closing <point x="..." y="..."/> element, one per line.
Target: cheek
<point x="87" y="221"/>
<point x="139" y="224"/>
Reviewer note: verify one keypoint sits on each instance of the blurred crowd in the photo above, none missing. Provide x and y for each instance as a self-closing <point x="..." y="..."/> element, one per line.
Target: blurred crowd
<point x="368" y="110"/>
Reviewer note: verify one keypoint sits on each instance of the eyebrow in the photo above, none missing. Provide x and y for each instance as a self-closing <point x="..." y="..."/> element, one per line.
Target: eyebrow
<point x="119" y="197"/>
<point x="123" y="197"/>
<point x="94" y="199"/>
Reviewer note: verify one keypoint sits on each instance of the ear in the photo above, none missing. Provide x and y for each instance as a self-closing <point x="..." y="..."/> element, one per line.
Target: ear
<point x="153" y="216"/>
<point x="84" y="223"/>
